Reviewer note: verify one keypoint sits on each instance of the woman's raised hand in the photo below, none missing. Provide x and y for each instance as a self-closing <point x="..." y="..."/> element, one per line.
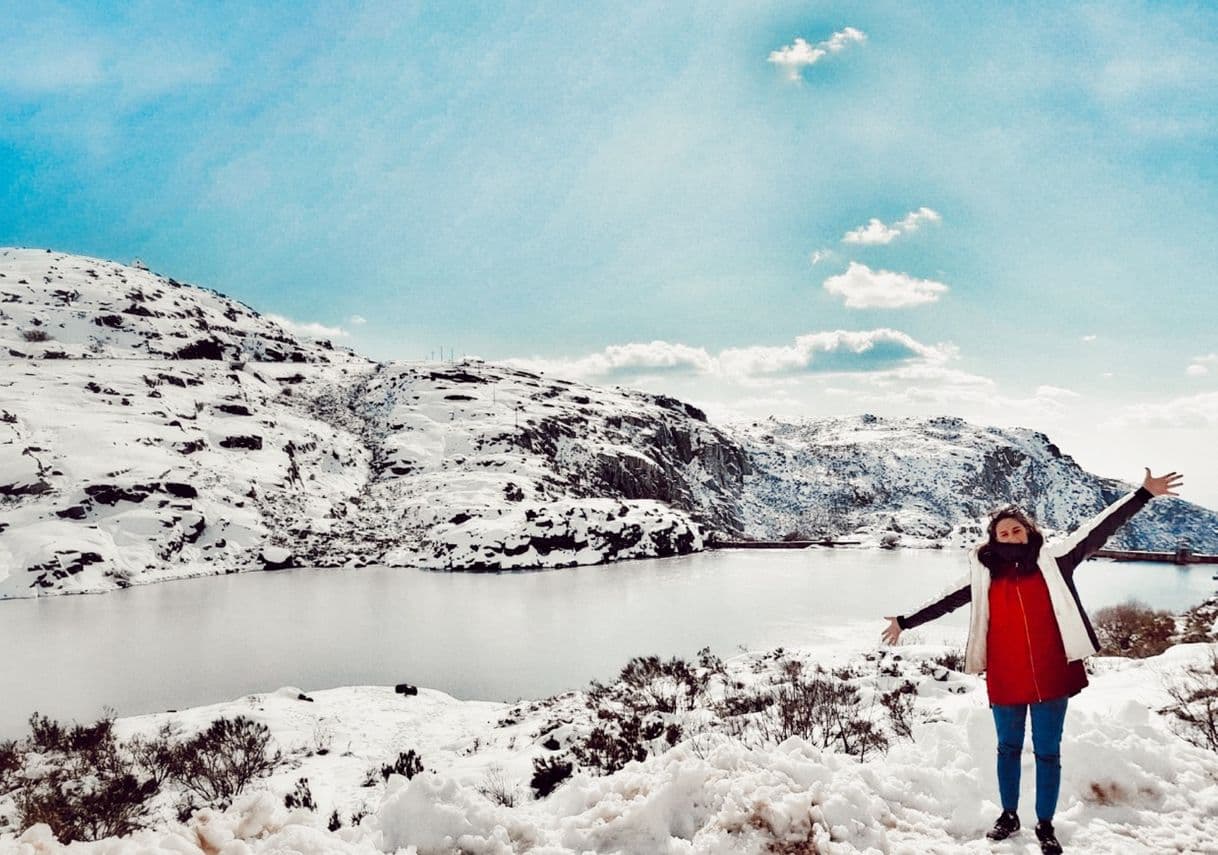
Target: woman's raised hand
<point x="1162" y="486"/>
<point x="892" y="632"/>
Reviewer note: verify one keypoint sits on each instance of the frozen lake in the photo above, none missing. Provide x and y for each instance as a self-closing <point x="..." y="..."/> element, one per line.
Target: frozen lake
<point x="478" y="636"/>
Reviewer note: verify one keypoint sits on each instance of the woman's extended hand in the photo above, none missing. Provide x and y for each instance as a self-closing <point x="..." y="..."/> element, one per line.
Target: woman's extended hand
<point x="1163" y="485"/>
<point x="893" y="632"/>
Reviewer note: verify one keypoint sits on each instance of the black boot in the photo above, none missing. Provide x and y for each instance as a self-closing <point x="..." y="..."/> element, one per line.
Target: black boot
<point x="1006" y="825"/>
<point x="1048" y="840"/>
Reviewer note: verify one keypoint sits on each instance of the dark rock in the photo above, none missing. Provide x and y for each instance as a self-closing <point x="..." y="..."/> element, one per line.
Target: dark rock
<point x="180" y="490"/>
<point x="109" y="494"/>
<point x="37" y="488"/>
<point x="254" y="443"/>
<point x="76" y="512"/>
<point x="234" y="409"/>
<point x="406" y="689"/>
<point x="204" y="348"/>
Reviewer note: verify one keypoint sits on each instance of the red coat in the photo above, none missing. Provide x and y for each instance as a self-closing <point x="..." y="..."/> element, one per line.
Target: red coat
<point x="1026" y="657"/>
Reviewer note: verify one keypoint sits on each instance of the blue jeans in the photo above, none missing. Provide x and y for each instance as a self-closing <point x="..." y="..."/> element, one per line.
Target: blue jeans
<point x="1047" y="720"/>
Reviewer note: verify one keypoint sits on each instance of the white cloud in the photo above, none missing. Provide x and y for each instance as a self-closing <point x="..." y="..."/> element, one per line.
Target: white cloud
<point x="794" y="58"/>
<point x="876" y="232"/>
<point x="1055" y="392"/>
<point x="832" y="352"/>
<point x="307" y="329"/>
<point x="1191" y="411"/>
<point x="633" y="358"/>
<point x="1200" y="365"/>
<point x="821" y="255"/>
<point x="840" y="39"/>
<point x="1089" y="338"/>
<point x="865" y="288"/>
<point x="356" y="320"/>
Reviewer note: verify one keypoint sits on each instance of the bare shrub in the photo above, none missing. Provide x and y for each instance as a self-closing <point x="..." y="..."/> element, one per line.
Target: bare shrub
<point x="1195" y="711"/>
<point x="1198" y="622"/>
<point x="496" y="787"/>
<point x="35" y="335"/>
<point x="84" y="785"/>
<point x="159" y="756"/>
<point x="654" y="684"/>
<point x="900" y="706"/>
<point x="1133" y="629"/>
<point x="218" y="763"/>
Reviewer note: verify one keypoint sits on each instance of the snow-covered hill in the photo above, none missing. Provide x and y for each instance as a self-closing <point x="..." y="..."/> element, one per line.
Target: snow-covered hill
<point x="200" y="438"/>
<point x="932" y="482"/>
<point x="152" y="430"/>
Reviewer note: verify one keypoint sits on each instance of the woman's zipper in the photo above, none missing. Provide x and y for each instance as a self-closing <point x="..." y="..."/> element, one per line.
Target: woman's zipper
<point x="1028" y="634"/>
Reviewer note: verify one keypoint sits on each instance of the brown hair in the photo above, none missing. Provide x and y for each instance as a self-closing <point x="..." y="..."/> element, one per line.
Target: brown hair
<point x="985" y="551"/>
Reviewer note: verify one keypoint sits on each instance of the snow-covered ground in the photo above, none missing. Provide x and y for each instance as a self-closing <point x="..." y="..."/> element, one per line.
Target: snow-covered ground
<point x="1130" y="785"/>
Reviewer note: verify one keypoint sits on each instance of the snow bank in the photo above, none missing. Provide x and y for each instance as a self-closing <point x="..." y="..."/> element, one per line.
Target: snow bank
<point x="1129" y="784"/>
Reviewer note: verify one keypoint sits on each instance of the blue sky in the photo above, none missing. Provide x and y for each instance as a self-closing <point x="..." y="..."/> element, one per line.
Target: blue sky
<point x="636" y="195"/>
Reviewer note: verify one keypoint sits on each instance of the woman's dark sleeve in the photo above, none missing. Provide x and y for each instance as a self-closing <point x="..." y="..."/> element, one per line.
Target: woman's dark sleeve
<point x="1083" y="542"/>
<point x="947" y="603"/>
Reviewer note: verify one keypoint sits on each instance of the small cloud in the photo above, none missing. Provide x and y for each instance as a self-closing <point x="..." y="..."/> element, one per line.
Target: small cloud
<point x="865" y="288"/>
<point x="1089" y="338"/>
<point x="821" y="255"/>
<point x="1055" y="392"/>
<point x="655" y="357"/>
<point x="307" y="329"/>
<point x="1200" y="365"/>
<point x="795" y="57"/>
<point x="356" y="320"/>
<point x="876" y="232"/>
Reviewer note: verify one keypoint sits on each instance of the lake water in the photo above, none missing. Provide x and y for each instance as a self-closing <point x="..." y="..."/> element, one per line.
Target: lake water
<point x="478" y="636"/>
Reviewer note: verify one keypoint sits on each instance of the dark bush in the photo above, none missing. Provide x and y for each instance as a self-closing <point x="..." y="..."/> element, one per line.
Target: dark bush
<point x="952" y="660"/>
<point x="1133" y="629"/>
<point x="10" y="763"/>
<point x="618" y="739"/>
<point x="78" y="805"/>
<point x="900" y="706"/>
<point x="86" y="785"/>
<point x="548" y="773"/>
<point x="35" y="335"/>
<point x="301" y="797"/>
<point x="218" y="763"/>
<point x="407" y="763"/>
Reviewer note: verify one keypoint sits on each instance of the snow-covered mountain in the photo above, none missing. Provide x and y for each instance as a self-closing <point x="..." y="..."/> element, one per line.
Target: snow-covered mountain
<point x="934" y="481"/>
<point x="195" y="436"/>
<point x="152" y="430"/>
